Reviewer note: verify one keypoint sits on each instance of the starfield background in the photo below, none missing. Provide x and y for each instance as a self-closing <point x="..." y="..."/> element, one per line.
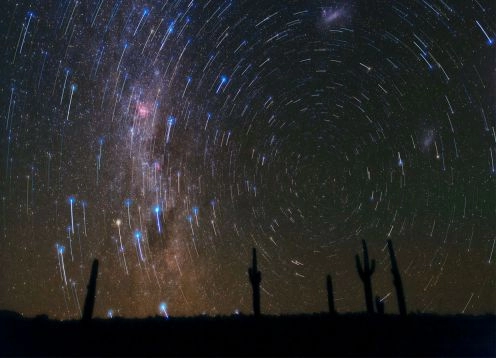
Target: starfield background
<point x="168" y="138"/>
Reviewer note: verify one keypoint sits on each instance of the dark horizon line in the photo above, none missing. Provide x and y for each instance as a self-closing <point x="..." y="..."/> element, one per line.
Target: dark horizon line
<point x="10" y="313"/>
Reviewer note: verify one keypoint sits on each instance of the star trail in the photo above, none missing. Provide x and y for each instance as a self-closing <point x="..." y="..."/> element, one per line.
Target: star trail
<point x="168" y="138"/>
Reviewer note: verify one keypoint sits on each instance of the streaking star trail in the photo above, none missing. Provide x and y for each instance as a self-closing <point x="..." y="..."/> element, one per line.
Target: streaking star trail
<point x="168" y="138"/>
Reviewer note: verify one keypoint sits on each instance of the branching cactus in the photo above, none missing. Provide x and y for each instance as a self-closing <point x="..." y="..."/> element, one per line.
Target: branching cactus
<point x="365" y="274"/>
<point x="255" y="279"/>
<point x="400" y="294"/>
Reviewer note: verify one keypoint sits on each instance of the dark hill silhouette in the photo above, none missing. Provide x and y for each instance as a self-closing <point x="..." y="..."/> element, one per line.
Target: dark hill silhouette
<point x="299" y="335"/>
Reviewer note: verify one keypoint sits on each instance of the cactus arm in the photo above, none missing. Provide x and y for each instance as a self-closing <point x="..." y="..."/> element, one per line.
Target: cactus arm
<point x="365" y="254"/>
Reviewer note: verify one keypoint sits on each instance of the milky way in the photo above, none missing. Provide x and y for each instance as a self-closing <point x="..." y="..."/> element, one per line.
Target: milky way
<point x="168" y="138"/>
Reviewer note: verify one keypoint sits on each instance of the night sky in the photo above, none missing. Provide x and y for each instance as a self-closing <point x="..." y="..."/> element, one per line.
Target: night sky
<point x="168" y="138"/>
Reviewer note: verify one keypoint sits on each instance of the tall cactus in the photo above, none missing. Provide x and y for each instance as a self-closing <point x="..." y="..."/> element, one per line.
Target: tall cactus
<point x="365" y="274"/>
<point x="89" y="303"/>
<point x="400" y="294"/>
<point x="330" y="295"/>
<point x="255" y="279"/>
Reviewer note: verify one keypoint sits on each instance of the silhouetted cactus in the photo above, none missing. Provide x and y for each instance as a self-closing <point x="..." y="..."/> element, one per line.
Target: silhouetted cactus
<point x="330" y="295"/>
<point x="400" y="294"/>
<point x="379" y="305"/>
<point x="255" y="279"/>
<point x="89" y="303"/>
<point x="365" y="274"/>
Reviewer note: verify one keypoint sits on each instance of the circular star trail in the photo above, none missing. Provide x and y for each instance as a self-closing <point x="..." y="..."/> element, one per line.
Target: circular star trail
<point x="168" y="138"/>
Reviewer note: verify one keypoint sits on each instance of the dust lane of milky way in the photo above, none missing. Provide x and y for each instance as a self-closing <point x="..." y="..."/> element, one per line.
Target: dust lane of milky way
<point x="168" y="138"/>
